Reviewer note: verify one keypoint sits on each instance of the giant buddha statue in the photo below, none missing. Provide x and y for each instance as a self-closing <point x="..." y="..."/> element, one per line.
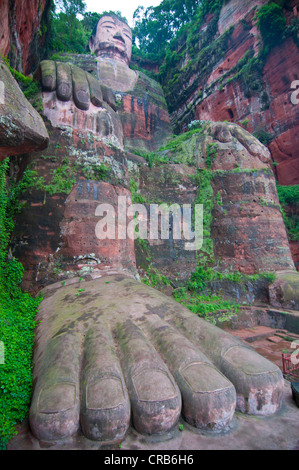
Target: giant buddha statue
<point x="111" y="352"/>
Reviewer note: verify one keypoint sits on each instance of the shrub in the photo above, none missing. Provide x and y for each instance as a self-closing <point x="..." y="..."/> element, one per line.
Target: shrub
<point x="271" y="23"/>
<point x="17" y="313"/>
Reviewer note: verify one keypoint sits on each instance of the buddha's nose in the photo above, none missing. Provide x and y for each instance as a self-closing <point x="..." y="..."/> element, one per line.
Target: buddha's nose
<point x="119" y="36"/>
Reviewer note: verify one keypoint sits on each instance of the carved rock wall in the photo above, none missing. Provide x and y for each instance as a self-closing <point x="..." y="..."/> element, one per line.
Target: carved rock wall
<point x="217" y="93"/>
<point x="143" y="110"/>
<point x="247" y="229"/>
<point x="55" y="235"/>
<point x="22" y="32"/>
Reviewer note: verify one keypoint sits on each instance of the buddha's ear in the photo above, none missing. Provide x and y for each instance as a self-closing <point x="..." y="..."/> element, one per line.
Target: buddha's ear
<point x="92" y="44"/>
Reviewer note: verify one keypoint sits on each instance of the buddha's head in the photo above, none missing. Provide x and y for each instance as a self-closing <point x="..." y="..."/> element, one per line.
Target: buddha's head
<point x="112" y="38"/>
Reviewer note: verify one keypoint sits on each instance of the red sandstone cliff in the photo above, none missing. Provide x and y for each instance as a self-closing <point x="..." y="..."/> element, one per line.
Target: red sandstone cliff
<point x="216" y="92"/>
<point x="22" y="32"/>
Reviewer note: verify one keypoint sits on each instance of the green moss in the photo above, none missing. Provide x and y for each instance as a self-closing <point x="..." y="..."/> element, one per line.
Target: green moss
<point x="61" y="57"/>
<point x="206" y="52"/>
<point x="29" y="86"/>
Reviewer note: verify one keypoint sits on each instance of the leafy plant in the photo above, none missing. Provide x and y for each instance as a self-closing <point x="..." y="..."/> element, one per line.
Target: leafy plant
<point x="95" y="172"/>
<point x="137" y="198"/>
<point x="210" y="307"/>
<point x="17" y="314"/>
<point x="289" y="199"/>
<point x="263" y="136"/>
<point x="271" y="23"/>
<point x="211" y="154"/>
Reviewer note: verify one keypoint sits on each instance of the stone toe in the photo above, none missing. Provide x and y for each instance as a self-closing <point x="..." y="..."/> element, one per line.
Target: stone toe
<point x="155" y="397"/>
<point x="105" y="405"/>
<point x="209" y="398"/>
<point x="54" y="411"/>
<point x="259" y="382"/>
<point x="106" y="412"/>
<point x="54" y="414"/>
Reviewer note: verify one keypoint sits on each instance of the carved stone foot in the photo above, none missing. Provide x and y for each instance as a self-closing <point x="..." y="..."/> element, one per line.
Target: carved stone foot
<point x="113" y="352"/>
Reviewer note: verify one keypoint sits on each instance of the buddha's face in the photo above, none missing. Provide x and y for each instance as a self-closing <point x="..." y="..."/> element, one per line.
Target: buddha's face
<point x="112" y="34"/>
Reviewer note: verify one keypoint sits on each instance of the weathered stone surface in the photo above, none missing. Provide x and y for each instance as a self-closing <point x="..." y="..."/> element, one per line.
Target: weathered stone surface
<point x="112" y="39"/>
<point x="155" y="398"/>
<point x="76" y="318"/>
<point x="56" y="232"/>
<point x="105" y="408"/>
<point x="209" y="399"/>
<point x="234" y="11"/>
<point x="248" y="232"/>
<point x="21" y="128"/>
<point x="284" y="292"/>
<point x="101" y="121"/>
<point x="55" y="407"/>
<point x="247" y="229"/>
<point x="145" y="116"/>
<point x="137" y="99"/>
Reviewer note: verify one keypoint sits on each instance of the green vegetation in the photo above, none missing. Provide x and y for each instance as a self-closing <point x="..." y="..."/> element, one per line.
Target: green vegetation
<point x="176" y="143"/>
<point x="210" y="306"/>
<point x="211" y="154"/>
<point x="271" y="23"/>
<point x="96" y="172"/>
<point x="71" y="26"/>
<point x="207" y="50"/>
<point x="289" y="199"/>
<point x="157" y="28"/>
<point x="30" y="87"/>
<point x="292" y="30"/>
<point x="137" y="198"/>
<point x="67" y="33"/>
<point x="202" y="276"/>
<point x="17" y="314"/>
<point x="288" y="195"/>
<point x="205" y="196"/>
<point x="263" y="136"/>
<point x="152" y="277"/>
<point x="63" y="179"/>
<point x="175" y="152"/>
